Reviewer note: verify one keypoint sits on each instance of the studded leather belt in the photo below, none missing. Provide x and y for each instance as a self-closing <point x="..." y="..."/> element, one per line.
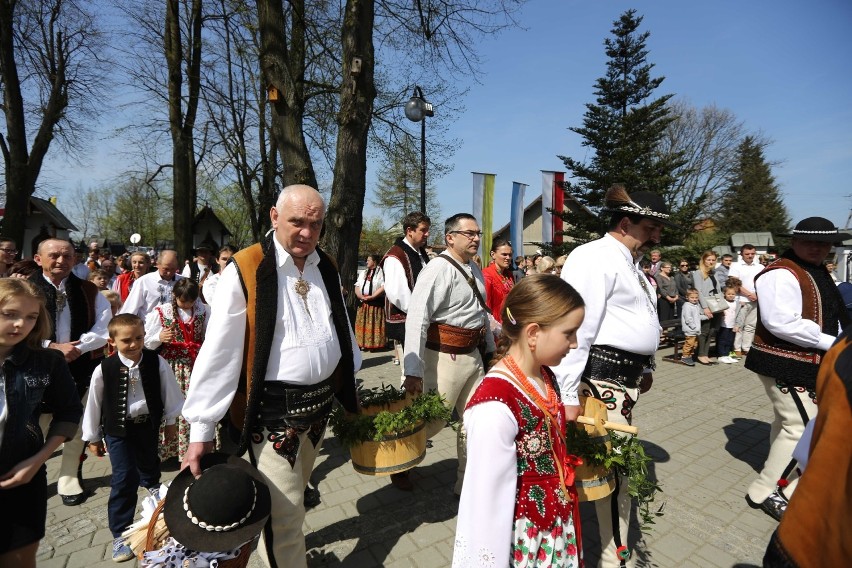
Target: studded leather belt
<point x="295" y="405"/>
<point x="451" y="339"/>
<point x="607" y="363"/>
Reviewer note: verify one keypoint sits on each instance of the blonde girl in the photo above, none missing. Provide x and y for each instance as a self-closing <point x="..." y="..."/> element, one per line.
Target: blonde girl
<point x="518" y="507"/>
<point x="31" y="375"/>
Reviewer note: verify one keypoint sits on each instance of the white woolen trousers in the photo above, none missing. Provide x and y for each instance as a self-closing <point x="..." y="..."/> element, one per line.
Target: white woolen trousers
<point x="620" y="498"/>
<point x="287" y="491"/>
<point x="455" y="377"/>
<point x="68" y="484"/>
<point x="784" y="433"/>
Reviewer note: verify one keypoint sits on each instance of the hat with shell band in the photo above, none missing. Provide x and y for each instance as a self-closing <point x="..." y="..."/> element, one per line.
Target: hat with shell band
<point x="641" y="204"/>
<point x="818" y="229"/>
<point x="222" y="509"/>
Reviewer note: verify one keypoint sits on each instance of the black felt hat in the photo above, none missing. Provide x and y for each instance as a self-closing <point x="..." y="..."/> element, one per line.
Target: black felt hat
<point x="641" y="203"/>
<point x="222" y="509"/>
<point x="818" y="229"/>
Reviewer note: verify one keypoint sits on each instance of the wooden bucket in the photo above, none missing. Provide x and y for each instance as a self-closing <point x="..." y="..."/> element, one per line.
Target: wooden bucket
<point x="596" y="482"/>
<point x="395" y="453"/>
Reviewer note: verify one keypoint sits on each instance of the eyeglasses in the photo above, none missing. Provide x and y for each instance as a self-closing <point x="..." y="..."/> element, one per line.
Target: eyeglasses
<point x="682" y="265"/>
<point x="9" y="251"/>
<point x="469" y="234"/>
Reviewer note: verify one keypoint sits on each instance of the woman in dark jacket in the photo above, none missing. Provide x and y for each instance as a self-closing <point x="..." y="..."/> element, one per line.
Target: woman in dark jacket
<point x="706" y="284"/>
<point x="31" y="376"/>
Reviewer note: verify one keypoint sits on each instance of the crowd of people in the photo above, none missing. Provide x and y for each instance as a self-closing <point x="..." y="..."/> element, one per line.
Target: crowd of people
<point x="249" y="351"/>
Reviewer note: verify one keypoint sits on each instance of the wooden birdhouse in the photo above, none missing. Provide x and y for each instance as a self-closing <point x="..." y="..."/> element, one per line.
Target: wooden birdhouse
<point x="272" y="93"/>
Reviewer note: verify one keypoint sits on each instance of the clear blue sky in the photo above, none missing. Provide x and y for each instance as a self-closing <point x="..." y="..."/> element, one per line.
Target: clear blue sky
<point x="781" y="66"/>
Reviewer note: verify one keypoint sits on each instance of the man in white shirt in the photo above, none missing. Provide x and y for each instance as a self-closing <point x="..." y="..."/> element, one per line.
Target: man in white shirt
<point x="746" y="270"/>
<point x="616" y="343"/>
<point x="801" y="313"/>
<point x="446" y="330"/>
<point x="154" y="288"/>
<point x="401" y="266"/>
<point x="279" y="349"/>
<point x="79" y="317"/>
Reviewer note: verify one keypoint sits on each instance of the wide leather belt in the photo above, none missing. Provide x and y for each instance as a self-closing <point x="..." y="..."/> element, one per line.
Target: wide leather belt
<point x="607" y="363"/>
<point x="451" y="339"/>
<point x="295" y="405"/>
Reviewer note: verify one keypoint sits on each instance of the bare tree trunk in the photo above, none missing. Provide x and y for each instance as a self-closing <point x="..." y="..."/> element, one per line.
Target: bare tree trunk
<point x="182" y="123"/>
<point x="23" y="164"/>
<point x="283" y="67"/>
<point x="357" y="93"/>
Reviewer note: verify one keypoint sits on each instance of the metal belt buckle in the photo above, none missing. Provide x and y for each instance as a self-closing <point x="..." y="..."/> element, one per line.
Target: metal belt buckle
<point x="139" y="419"/>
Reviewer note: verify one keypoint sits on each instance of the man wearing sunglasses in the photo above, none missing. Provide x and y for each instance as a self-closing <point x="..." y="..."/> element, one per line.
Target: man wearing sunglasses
<point x="8" y="251"/>
<point x="446" y="332"/>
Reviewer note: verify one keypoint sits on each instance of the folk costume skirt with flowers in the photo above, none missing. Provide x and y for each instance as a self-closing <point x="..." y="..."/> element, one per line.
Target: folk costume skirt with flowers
<point x="180" y="354"/>
<point x="370" y="327"/>
<point x="513" y="510"/>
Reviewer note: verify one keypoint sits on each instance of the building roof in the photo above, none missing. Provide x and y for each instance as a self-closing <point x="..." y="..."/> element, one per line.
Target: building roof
<point x="53" y="214"/>
<point x="207" y="213"/>
<point x="570" y="204"/>
<point x="760" y="240"/>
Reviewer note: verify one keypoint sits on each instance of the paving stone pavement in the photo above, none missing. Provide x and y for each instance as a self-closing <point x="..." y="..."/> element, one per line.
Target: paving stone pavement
<point x="706" y="427"/>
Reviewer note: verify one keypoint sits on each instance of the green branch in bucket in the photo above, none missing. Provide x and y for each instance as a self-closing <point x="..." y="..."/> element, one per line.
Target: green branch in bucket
<point x="351" y="430"/>
<point x="629" y="459"/>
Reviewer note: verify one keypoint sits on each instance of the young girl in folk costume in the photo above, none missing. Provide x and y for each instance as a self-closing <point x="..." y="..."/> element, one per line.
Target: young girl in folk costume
<point x="370" y="319"/>
<point x="519" y="505"/>
<point x="30" y="375"/>
<point x="179" y="327"/>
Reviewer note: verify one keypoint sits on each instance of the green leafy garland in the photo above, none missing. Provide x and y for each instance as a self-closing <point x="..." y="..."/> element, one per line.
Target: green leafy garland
<point x="351" y="430"/>
<point x="629" y="459"/>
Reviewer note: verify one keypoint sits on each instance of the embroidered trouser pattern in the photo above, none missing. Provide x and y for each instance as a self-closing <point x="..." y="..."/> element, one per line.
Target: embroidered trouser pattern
<point x="792" y="408"/>
<point x="455" y="377"/>
<point x="282" y="542"/>
<point x="613" y="511"/>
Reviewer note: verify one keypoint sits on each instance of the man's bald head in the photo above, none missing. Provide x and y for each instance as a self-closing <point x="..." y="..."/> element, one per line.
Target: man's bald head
<point x="297" y="220"/>
<point x="167" y="264"/>
<point x="296" y="191"/>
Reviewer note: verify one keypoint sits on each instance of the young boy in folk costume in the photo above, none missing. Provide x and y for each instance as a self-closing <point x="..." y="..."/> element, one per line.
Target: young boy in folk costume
<point x="178" y="328"/>
<point x="519" y="506"/>
<point x="132" y="392"/>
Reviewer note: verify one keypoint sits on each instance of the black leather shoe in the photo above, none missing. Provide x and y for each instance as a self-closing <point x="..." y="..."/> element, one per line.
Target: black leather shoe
<point x="74" y="500"/>
<point x="774" y="505"/>
<point x="312" y="497"/>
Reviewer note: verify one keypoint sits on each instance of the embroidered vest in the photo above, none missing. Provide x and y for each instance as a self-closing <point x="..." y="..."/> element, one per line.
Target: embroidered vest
<point x="256" y="268"/>
<point x="786" y="362"/>
<point x="182" y="347"/>
<point x="81" y="302"/>
<point x="116" y="385"/>
<point x="412" y="263"/>
<point x="539" y="496"/>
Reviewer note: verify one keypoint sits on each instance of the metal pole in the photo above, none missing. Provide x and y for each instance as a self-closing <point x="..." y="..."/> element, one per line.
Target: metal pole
<point x="423" y="165"/>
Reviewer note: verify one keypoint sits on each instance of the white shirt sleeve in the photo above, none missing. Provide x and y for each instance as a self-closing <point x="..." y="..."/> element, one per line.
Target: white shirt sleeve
<point x="97" y="336"/>
<point x="91" y="424"/>
<point x="153" y="327"/>
<point x="217" y="369"/>
<point x="135" y="302"/>
<point x="430" y="291"/>
<point x="186" y="272"/>
<point x="594" y="287"/>
<point x="779" y="300"/>
<point x="396" y="284"/>
<point x="170" y="392"/>
<point x="487" y="503"/>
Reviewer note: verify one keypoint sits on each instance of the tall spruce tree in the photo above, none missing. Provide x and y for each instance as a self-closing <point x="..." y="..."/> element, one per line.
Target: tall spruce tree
<point x="753" y="202"/>
<point x="397" y="190"/>
<point x="624" y="128"/>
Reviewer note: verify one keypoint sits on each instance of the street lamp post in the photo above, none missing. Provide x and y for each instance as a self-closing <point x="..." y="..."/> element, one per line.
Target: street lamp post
<point x="416" y="110"/>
